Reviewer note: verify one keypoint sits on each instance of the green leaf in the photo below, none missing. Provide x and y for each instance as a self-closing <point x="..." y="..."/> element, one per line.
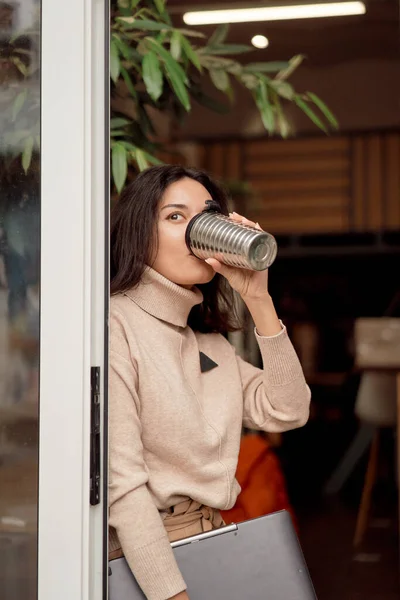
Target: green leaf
<point x="174" y="72"/>
<point x="191" y="54"/>
<point x="144" y="11"/>
<point x="22" y="68"/>
<point x="283" y="88"/>
<point x="149" y="157"/>
<point x="14" y="138"/>
<point x="124" y="7"/>
<point x="191" y="33"/>
<point x="249" y="80"/>
<point x="134" y="4"/>
<point x="217" y="62"/>
<point x="152" y="75"/>
<point x="167" y="58"/>
<point x="144" y="121"/>
<point x="163" y="37"/>
<point x="118" y="122"/>
<point x="160" y="6"/>
<point x="27" y="154"/>
<point x="152" y="159"/>
<point x="140" y="159"/>
<point x="26" y="33"/>
<point x="18" y="104"/>
<point x="282" y="122"/>
<point x="324" y="109"/>
<point x="127" y="145"/>
<point x="117" y="133"/>
<point x="127" y="52"/>
<point x="115" y="65"/>
<point x="220" y="79"/>
<point x="310" y="113"/>
<point x="264" y="107"/>
<point x="176" y="46"/>
<point x="142" y="24"/>
<point x="23" y="51"/>
<point x="178" y="86"/>
<point x="129" y="82"/>
<point x="119" y="165"/>
<point x="266" y="67"/>
<point x="125" y="12"/>
<point x="235" y="68"/>
<point x="226" y="49"/>
<point x="208" y="102"/>
<point x="294" y="63"/>
<point x="219" y="35"/>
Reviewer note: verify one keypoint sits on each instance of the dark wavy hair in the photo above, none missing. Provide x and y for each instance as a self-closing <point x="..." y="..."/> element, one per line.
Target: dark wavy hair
<point x="134" y="236"/>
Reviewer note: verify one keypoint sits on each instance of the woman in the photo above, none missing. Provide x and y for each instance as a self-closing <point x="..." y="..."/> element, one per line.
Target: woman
<point x="179" y="395"/>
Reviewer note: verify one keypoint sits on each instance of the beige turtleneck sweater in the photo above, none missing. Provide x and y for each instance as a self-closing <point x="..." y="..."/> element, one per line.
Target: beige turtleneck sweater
<point x="174" y="432"/>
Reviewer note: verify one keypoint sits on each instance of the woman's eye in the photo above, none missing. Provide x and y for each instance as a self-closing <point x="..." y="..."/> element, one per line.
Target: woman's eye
<point x="175" y="217"/>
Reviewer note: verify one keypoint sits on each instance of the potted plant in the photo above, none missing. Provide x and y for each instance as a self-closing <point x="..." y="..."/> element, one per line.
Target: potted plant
<point x="155" y="68"/>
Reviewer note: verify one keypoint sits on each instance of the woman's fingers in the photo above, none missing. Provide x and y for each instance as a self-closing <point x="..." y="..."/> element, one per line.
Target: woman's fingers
<point x="219" y="267"/>
<point x="240" y="219"/>
<point x="232" y="274"/>
<point x="214" y="263"/>
<point x="235" y="217"/>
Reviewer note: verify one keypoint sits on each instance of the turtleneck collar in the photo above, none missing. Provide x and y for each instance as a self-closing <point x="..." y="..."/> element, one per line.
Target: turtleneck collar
<point x="164" y="299"/>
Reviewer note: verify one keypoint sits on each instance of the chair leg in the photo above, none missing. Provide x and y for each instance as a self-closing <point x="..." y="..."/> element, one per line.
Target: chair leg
<point x="369" y="481"/>
<point x="360" y="444"/>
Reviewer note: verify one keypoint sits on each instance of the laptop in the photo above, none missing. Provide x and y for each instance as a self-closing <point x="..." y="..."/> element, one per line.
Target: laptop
<point x="260" y="559"/>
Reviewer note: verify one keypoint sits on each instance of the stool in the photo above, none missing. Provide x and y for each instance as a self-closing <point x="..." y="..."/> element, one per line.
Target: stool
<point x="375" y="405"/>
<point x="376" y="409"/>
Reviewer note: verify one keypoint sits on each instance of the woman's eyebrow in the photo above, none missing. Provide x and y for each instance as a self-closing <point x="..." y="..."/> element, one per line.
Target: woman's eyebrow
<point x="182" y="206"/>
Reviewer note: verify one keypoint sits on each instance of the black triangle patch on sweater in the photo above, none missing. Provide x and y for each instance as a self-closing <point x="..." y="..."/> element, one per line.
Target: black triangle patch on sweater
<point x="206" y="363"/>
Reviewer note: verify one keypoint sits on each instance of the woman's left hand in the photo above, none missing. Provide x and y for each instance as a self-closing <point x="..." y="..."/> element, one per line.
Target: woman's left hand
<point x="251" y="285"/>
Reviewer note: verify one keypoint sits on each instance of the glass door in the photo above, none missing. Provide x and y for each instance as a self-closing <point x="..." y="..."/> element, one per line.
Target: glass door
<point x="19" y="296"/>
<point x="53" y="213"/>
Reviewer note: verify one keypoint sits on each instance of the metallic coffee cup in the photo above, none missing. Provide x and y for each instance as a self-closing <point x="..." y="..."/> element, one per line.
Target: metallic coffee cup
<point x="211" y="234"/>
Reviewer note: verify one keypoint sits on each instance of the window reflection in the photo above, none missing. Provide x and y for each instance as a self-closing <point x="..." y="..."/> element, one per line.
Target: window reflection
<point x="19" y="296"/>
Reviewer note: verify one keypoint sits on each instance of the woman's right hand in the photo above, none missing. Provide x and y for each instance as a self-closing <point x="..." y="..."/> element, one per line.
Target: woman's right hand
<point x="180" y="596"/>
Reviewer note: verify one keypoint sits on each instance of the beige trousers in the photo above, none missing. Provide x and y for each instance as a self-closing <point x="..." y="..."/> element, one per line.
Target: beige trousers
<point x="190" y="518"/>
<point x="180" y="521"/>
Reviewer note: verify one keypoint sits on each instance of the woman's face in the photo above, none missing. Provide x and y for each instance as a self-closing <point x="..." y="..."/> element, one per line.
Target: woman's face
<point x="181" y="201"/>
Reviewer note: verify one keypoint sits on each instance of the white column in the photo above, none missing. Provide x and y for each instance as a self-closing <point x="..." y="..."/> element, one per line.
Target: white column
<point x="72" y="293"/>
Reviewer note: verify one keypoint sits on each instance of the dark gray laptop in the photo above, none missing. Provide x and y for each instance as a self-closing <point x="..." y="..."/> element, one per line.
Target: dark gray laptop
<point x="260" y="559"/>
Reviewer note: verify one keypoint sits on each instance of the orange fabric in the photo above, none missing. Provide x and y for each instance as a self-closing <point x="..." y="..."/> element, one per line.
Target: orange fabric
<point x="262" y="481"/>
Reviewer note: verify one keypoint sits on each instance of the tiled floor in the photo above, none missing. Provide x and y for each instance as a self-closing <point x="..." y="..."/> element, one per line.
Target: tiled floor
<point x="327" y="523"/>
<point x="338" y="571"/>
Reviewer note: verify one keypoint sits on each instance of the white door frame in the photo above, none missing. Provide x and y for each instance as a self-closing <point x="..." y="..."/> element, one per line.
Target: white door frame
<point x="73" y="297"/>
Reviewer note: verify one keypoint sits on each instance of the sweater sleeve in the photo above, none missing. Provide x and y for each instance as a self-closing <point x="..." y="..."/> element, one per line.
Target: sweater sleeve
<point x="276" y="398"/>
<point x="132" y="511"/>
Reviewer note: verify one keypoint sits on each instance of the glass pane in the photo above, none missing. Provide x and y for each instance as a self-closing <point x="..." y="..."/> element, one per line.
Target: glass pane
<point x="19" y="295"/>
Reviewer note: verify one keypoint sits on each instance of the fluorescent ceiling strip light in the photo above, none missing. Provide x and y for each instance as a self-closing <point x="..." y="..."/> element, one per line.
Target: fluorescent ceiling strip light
<point x="274" y="13"/>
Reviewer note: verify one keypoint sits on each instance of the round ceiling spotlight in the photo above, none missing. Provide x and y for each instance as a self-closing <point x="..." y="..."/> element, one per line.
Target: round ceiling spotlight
<point x="260" y="41"/>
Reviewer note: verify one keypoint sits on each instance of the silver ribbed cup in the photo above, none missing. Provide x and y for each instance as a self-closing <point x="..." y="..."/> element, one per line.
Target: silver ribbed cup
<point x="213" y="235"/>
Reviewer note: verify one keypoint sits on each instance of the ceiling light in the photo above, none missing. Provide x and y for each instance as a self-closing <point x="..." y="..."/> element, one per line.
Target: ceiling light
<point x="274" y="13"/>
<point x="260" y="41"/>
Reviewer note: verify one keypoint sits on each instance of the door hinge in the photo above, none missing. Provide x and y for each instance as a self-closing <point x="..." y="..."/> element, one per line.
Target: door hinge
<point x="95" y="436"/>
